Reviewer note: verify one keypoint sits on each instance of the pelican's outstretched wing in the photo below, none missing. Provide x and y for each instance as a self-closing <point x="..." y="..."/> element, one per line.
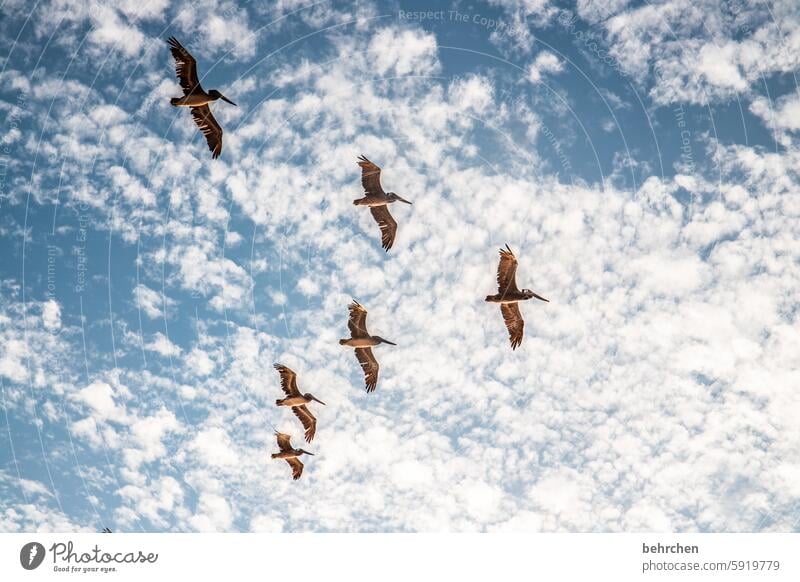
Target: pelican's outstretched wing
<point x="386" y="222"/>
<point x="297" y="467"/>
<point x="185" y="66"/>
<point x="370" y="366"/>
<point x="358" y="320"/>
<point x="288" y="380"/>
<point x="370" y="177"/>
<point x="284" y="442"/>
<point x="514" y="323"/>
<point x="210" y="128"/>
<point x="308" y="420"/>
<point x="507" y="272"/>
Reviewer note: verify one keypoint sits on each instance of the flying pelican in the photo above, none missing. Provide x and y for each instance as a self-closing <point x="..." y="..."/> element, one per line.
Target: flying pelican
<point x="363" y="342"/>
<point x="508" y="296"/>
<point x="290" y="454"/>
<point x="195" y="97"/>
<point x="297" y="400"/>
<point x="378" y="201"/>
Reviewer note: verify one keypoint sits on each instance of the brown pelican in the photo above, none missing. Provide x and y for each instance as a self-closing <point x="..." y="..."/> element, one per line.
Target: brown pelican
<point x="297" y="400"/>
<point x="508" y="296"/>
<point x="290" y="454"/>
<point x="378" y="201"/>
<point x="363" y="342"/>
<point x="195" y="97"/>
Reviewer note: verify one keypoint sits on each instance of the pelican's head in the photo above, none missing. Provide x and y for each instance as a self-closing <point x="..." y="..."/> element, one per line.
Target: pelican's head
<point x="310" y="396"/>
<point x="214" y="94"/>
<point x="528" y="294"/>
<point x="395" y="198"/>
<point x="383" y="341"/>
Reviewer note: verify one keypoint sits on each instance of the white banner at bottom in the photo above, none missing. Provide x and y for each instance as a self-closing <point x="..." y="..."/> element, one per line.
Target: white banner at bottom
<point x="389" y="557"/>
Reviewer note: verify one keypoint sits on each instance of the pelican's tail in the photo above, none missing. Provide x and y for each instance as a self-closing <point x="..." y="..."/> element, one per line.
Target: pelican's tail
<point x="279" y="401"/>
<point x="275" y="455"/>
<point x="358" y="201"/>
<point x="343" y="342"/>
<point x="492" y="298"/>
<point x="175" y="101"/>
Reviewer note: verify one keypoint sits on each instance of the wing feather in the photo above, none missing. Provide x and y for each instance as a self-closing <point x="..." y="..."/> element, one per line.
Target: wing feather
<point x="284" y="442"/>
<point x="358" y="320"/>
<point x="507" y="272"/>
<point x="297" y="467"/>
<point x="370" y="366"/>
<point x="370" y="177"/>
<point x="387" y="223"/>
<point x="185" y="67"/>
<point x="288" y="380"/>
<point x="308" y="420"/>
<point x="514" y="323"/>
<point x="206" y="122"/>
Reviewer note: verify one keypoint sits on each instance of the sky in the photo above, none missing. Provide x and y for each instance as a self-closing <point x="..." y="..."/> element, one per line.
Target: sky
<point x="642" y="159"/>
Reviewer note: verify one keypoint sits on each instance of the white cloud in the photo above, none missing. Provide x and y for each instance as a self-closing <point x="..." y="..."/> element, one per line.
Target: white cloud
<point x="199" y="362"/>
<point x="403" y="52"/>
<point x="100" y="397"/>
<point x="782" y="116"/>
<point x="162" y="345"/>
<point x="148" y="432"/>
<point x="217" y="26"/>
<point x="51" y="314"/>
<point x="12" y="364"/>
<point x="214" y="447"/>
<point x="514" y="32"/>
<point x="718" y="66"/>
<point x="150" y="301"/>
<point x="545" y="62"/>
<point x="473" y="95"/>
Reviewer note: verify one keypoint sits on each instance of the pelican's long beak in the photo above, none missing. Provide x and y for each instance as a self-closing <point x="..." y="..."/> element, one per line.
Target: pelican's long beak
<point x="306" y="452"/>
<point x="540" y="297"/>
<point x="318" y="400"/>
<point x="387" y="341"/>
<point x="404" y="200"/>
<point x="221" y="96"/>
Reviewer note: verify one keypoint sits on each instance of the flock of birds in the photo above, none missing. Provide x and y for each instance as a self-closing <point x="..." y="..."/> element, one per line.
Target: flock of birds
<point x="508" y="296"/>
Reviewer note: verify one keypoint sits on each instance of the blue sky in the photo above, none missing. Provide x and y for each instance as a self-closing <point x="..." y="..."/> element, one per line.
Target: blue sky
<point x="640" y="158"/>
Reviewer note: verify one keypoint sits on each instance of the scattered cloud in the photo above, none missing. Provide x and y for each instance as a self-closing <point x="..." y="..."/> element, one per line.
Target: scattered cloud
<point x="654" y="392"/>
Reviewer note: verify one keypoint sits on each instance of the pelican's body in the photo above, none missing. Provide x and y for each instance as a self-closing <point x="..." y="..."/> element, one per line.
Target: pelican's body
<point x="378" y="201"/>
<point x="293" y="401"/>
<point x="193" y="100"/>
<point x="297" y="401"/>
<point x="372" y="201"/>
<point x="509" y="296"/>
<point x="195" y="97"/>
<point x="362" y="341"/>
<point x="290" y="454"/>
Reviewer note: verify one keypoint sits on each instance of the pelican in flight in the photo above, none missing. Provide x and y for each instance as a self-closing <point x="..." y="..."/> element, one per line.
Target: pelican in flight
<point x="363" y="342"/>
<point x="290" y="454"/>
<point x="195" y="97"/>
<point x="508" y="296"/>
<point x="297" y="400"/>
<point x="378" y="201"/>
